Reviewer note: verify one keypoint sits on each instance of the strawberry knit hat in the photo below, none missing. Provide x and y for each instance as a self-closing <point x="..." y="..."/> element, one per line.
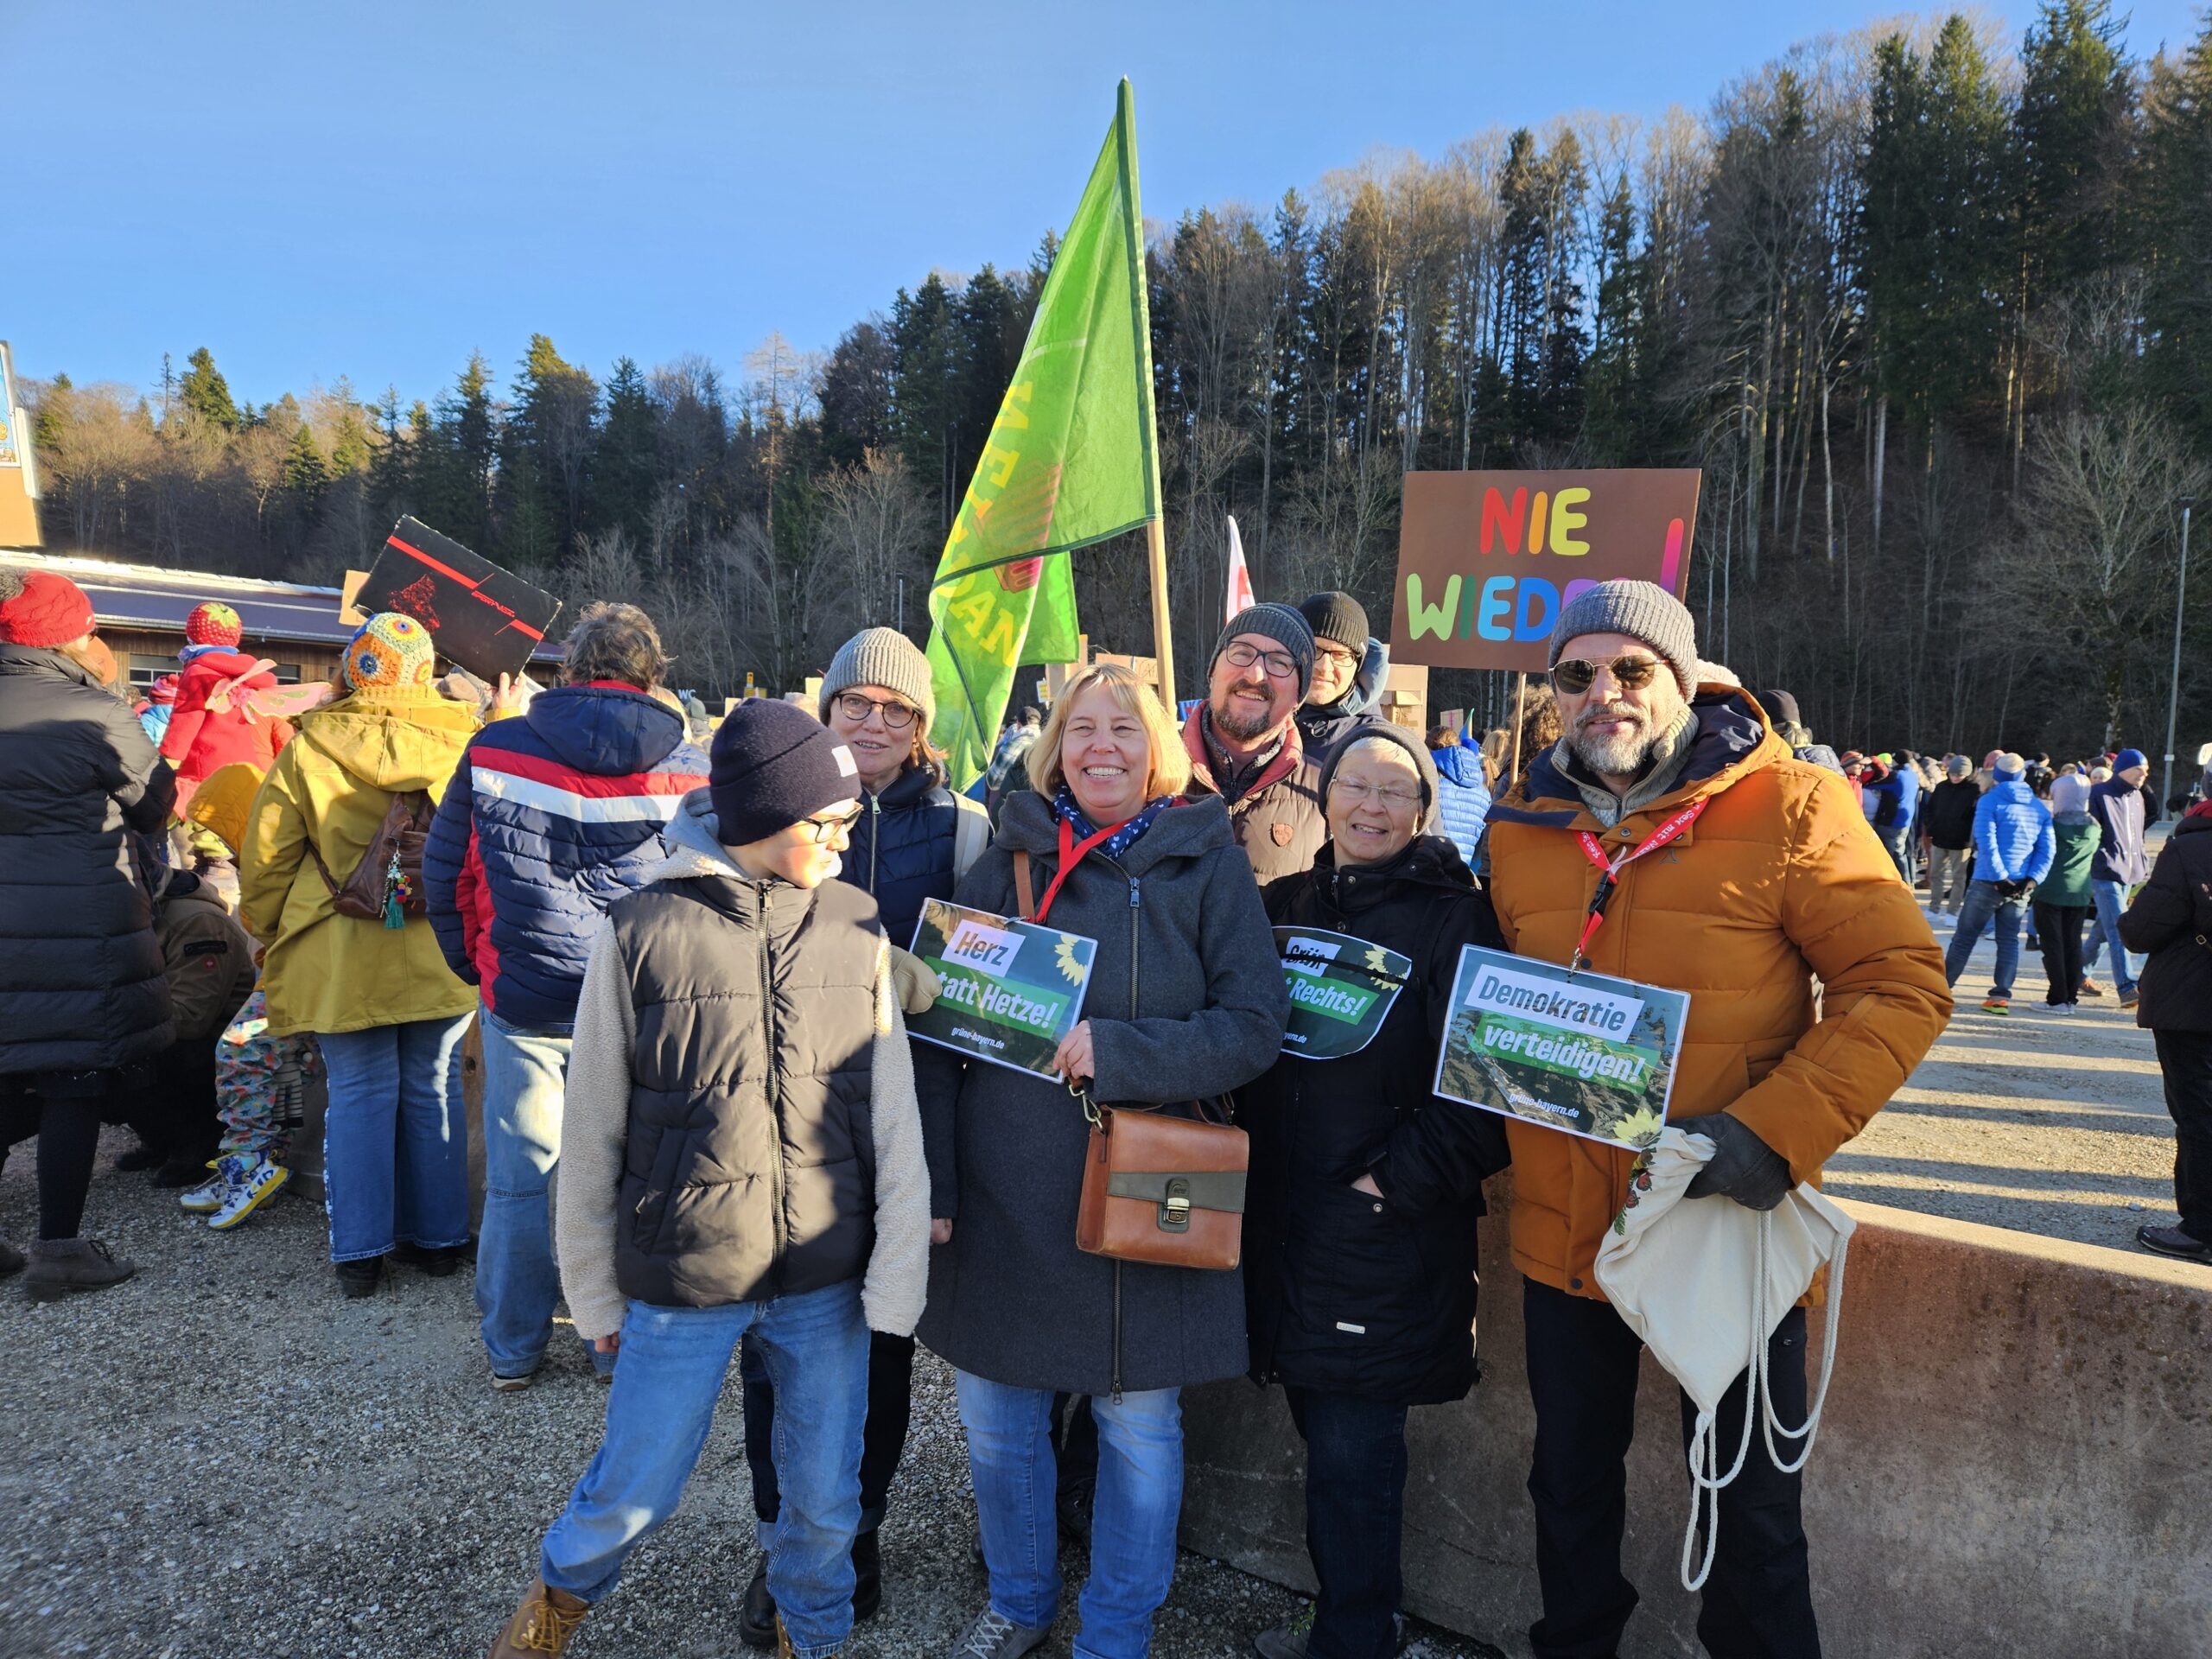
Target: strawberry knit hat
<point x="48" y="610"/>
<point x="213" y="624"/>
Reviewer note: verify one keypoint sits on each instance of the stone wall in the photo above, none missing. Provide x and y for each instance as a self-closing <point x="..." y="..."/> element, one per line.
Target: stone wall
<point x="2016" y="1460"/>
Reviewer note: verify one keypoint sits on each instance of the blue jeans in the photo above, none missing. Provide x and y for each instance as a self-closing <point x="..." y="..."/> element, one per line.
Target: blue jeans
<point x="517" y="1281"/>
<point x="395" y="1142"/>
<point x="674" y="1362"/>
<point x="1133" y="1517"/>
<point x="1984" y="903"/>
<point x="2111" y="898"/>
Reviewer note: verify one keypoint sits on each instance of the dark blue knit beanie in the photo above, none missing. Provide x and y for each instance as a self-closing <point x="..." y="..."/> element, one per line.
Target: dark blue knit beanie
<point x="772" y="764"/>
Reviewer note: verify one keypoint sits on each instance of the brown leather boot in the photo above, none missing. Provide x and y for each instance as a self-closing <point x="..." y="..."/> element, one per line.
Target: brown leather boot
<point x="783" y="1640"/>
<point x="69" y="1266"/>
<point x="543" y="1623"/>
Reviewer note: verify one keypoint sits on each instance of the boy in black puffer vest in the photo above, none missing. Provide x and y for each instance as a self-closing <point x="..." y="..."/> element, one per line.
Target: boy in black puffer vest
<point x="742" y="1153"/>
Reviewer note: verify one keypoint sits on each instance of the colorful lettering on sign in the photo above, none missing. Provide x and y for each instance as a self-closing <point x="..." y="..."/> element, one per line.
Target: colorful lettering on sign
<point x="1510" y="606"/>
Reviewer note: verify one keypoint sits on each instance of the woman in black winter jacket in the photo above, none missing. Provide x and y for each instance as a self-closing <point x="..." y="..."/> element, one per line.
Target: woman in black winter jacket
<point x="2171" y="920"/>
<point x="1360" y="1259"/>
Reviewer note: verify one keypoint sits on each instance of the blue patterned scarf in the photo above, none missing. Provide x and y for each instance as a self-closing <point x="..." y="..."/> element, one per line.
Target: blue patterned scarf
<point x="1124" y="838"/>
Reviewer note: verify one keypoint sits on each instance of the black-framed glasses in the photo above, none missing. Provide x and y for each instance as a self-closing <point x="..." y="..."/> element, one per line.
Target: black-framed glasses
<point x="856" y="708"/>
<point x="1335" y="653"/>
<point x="825" y="830"/>
<point x="1575" y="675"/>
<point x="1281" y="664"/>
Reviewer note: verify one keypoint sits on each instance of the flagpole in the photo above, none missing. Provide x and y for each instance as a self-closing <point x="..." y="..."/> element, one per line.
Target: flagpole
<point x="1163" y="631"/>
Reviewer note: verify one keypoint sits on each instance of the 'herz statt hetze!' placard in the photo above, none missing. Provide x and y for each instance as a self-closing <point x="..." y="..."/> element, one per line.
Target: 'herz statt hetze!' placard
<point x="1011" y="990"/>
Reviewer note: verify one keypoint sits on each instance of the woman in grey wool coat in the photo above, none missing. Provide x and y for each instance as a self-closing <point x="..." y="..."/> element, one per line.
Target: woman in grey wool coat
<point x="1185" y="1000"/>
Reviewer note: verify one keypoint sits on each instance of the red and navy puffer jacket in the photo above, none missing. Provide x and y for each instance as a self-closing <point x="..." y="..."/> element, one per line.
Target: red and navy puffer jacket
<point x="552" y="817"/>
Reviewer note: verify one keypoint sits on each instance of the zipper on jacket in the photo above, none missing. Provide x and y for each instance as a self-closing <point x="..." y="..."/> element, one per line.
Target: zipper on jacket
<point x="874" y="835"/>
<point x="775" y="1095"/>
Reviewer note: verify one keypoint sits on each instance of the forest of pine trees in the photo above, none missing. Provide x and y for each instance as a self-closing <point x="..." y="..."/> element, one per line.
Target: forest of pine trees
<point x="1933" y="310"/>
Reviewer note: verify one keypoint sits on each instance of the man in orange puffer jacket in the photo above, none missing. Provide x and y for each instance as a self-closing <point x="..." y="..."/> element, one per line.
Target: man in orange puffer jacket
<point x="214" y="722"/>
<point x="1777" y="882"/>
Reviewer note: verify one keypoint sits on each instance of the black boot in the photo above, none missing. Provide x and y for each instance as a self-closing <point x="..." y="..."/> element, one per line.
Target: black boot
<point x="756" y="1619"/>
<point x="141" y="1156"/>
<point x="867" y="1576"/>
<point x="359" y="1278"/>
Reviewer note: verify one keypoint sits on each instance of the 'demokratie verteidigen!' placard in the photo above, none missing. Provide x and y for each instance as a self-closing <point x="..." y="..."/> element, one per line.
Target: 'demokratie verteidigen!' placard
<point x="1581" y="1052"/>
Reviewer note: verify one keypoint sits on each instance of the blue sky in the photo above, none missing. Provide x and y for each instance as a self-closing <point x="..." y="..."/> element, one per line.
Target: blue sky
<point x="315" y="191"/>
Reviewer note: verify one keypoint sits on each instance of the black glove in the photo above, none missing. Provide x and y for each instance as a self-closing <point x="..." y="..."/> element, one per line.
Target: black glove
<point x="1743" y="1166"/>
<point x="2020" y="889"/>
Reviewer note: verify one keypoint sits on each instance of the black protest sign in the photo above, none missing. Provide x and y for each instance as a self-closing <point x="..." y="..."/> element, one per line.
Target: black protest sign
<point x="487" y="619"/>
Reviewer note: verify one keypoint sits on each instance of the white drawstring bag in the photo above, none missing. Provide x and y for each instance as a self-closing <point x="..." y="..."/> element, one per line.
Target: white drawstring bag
<point x="1705" y="1281"/>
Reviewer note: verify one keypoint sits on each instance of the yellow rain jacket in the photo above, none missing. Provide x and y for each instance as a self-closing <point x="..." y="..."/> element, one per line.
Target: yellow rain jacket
<point x="331" y="787"/>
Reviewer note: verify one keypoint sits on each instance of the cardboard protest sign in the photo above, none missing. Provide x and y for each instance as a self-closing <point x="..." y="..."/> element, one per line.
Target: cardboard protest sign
<point x="1584" y="1052"/>
<point x="1485" y="560"/>
<point x="487" y="619"/>
<point x="1011" y="990"/>
<point x="1341" y="990"/>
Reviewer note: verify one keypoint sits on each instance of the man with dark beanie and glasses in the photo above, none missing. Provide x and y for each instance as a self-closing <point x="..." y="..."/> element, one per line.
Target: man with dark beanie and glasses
<point x="1349" y="668"/>
<point x="1244" y="744"/>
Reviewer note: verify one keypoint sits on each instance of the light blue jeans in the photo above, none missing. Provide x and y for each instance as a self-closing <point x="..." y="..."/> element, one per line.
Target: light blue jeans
<point x="517" y="1281"/>
<point x="1133" y="1516"/>
<point x="674" y="1362"/>
<point x="2111" y="898"/>
<point x="395" y="1142"/>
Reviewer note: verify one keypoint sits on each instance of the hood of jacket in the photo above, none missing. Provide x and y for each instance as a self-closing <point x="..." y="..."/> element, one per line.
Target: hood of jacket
<point x="1731" y="740"/>
<point x="392" y="740"/>
<point x="694" y="846"/>
<point x="1461" y="765"/>
<point x="609" y="730"/>
<point x="2011" y="791"/>
<point x="224" y="663"/>
<point x="1027" y="823"/>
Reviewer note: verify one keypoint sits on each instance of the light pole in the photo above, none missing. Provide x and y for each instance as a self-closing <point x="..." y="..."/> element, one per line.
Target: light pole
<point x="2173" y="691"/>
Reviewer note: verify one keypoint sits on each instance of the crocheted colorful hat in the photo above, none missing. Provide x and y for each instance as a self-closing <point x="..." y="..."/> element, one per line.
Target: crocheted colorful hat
<point x="391" y="650"/>
<point x="213" y="624"/>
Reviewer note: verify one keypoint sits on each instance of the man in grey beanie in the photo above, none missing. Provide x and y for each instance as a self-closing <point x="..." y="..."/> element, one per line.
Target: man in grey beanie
<point x="1671" y="838"/>
<point x="1244" y="744"/>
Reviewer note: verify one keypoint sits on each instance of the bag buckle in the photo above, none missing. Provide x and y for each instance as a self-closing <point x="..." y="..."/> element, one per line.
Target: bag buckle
<point x="1175" y="1208"/>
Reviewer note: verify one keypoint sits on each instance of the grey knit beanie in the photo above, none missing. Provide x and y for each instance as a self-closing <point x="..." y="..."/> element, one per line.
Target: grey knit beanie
<point x="887" y="657"/>
<point x="1642" y="610"/>
<point x="1279" y="623"/>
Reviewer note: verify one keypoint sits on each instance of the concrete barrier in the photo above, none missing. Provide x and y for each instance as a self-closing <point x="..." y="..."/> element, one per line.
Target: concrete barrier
<point x="2016" y="1460"/>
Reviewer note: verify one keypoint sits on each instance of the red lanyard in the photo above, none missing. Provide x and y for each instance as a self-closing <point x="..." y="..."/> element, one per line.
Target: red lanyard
<point x="1071" y="852"/>
<point x="1608" y="872"/>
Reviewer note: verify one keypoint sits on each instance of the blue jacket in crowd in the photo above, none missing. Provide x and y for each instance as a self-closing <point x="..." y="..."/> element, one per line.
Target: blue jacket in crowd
<point x="550" y="817"/>
<point x="2117" y="805"/>
<point x="1462" y="797"/>
<point x="1891" y="803"/>
<point x="2012" y="838"/>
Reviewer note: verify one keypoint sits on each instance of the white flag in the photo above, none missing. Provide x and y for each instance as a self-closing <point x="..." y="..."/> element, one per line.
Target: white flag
<point x="1237" y="595"/>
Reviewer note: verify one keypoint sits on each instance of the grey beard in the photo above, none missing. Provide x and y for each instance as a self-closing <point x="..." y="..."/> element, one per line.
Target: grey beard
<point x="1241" y="728"/>
<point x="1623" y="755"/>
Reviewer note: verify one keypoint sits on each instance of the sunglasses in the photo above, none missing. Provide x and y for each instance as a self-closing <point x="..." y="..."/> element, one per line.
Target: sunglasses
<point x="1575" y="675"/>
<point x="824" y="831"/>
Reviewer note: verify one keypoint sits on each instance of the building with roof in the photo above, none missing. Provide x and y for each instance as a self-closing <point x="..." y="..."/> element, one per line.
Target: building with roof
<point x="142" y="608"/>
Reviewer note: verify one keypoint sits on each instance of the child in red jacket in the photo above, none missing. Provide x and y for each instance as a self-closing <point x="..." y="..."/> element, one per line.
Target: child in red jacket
<point x="213" y="722"/>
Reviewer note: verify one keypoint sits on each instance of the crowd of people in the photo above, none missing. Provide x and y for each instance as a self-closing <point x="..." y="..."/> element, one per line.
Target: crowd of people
<point x="682" y="951"/>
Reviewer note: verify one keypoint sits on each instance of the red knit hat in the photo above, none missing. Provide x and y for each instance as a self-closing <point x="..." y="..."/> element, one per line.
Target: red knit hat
<point x="213" y="624"/>
<point x="50" y="611"/>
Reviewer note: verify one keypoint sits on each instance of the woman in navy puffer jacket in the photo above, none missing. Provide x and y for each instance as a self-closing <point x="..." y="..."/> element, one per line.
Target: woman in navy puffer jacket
<point x="914" y="841"/>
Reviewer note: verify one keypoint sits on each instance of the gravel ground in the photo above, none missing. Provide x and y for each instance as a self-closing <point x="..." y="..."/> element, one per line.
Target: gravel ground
<point x="2044" y="1123"/>
<point x="223" y="1458"/>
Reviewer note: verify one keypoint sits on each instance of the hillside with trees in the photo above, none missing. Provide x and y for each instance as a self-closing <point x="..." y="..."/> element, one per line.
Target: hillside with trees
<point x="1933" y="310"/>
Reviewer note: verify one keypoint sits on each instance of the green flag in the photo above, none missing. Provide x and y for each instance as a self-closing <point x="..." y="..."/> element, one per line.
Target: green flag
<point x="1071" y="460"/>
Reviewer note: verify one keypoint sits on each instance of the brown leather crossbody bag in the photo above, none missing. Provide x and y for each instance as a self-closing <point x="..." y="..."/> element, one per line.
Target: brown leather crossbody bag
<point x="1159" y="1187"/>
<point x="386" y="886"/>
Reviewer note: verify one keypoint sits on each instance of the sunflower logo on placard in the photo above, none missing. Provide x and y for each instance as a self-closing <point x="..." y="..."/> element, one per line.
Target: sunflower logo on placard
<point x="1378" y="960"/>
<point x="1639" y="1128"/>
<point x="1071" y="969"/>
